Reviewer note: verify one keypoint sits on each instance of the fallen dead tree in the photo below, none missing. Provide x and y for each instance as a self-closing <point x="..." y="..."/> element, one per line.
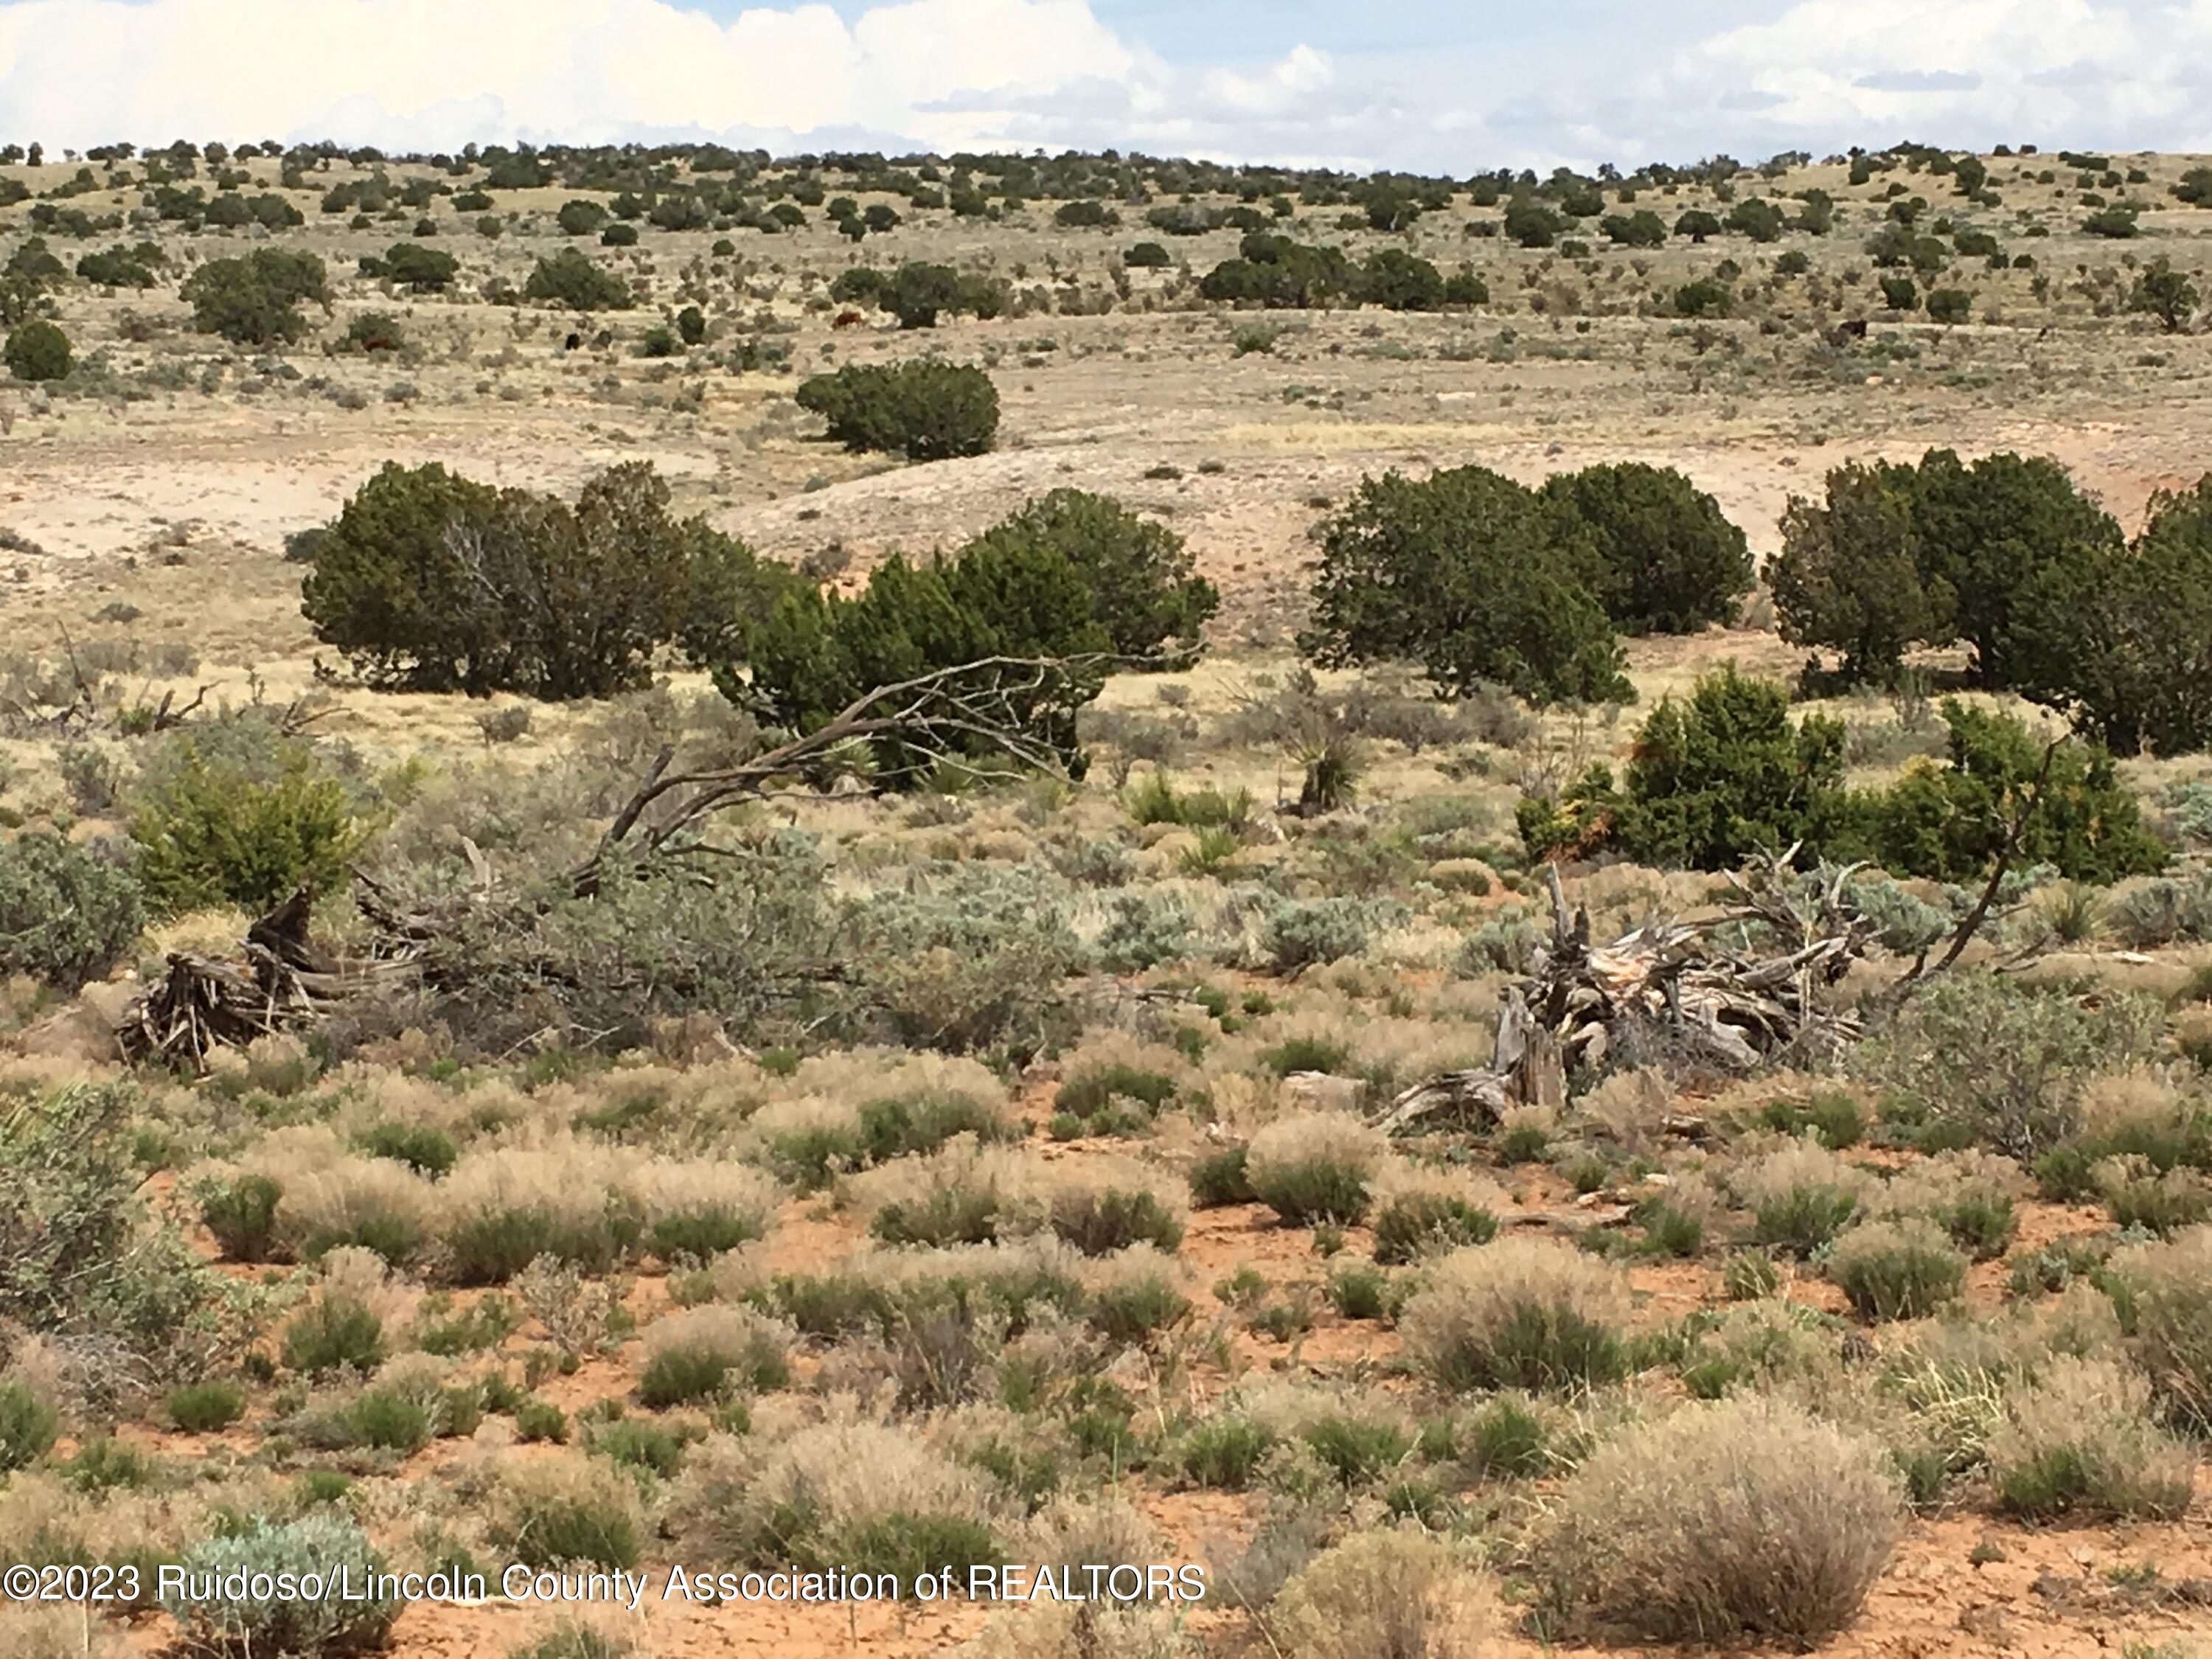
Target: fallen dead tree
<point x="279" y="982"/>
<point x="1734" y="1005"/>
<point x="1731" y="992"/>
<point x="999" y="716"/>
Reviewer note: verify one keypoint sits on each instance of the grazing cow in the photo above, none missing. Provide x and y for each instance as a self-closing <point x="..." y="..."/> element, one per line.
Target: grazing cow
<point x="1852" y="329"/>
<point x="846" y="320"/>
<point x="573" y="341"/>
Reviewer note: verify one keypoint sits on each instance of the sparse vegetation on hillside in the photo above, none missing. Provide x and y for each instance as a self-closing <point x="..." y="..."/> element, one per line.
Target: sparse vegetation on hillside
<point x="1058" y="1114"/>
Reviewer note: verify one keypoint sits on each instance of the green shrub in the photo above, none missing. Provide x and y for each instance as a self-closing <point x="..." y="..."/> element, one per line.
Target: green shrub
<point x="641" y="1445"/>
<point x="36" y="350"/>
<point x="214" y="835"/>
<point x="242" y="1214"/>
<point x="1849" y="577"/>
<point x="1668" y="561"/>
<point x="541" y="1419"/>
<point x="1472" y="575"/>
<point x="2006" y="1061"/>
<point x="1507" y="1439"/>
<point x="205" y="1408"/>
<point x="1897" y="1269"/>
<point x="1144" y="591"/>
<point x="1359" y="1291"/>
<point x="1950" y="822"/>
<point x="554" y="1514"/>
<point x="1136" y="1299"/>
<point x="1417" y="1224"/>
<point x="1712" y="781"/>
<point x="427" y="1150"/>
<point x="331" y="1332"/>
<point x="2097" y="633"/>
<point x="28" y="1426"/>
<point x="388" y="1420"/>
<point x="1089" y="1092"/>
<point x="929" y="411"/>
<point x="420" y="269"/>
<point x="102" y="1463"/>
<point x="1220" y="1178"/>
<point x="80" y="1256"/>
<point x="1222" y="1452"/>
<point x="1357" y="1449"/>
<point x="817" y="654"/>
<point x="1703" y="298"/>
<point x="373" y="331"/>
<point x="429" y="581"/>
<point x="582" y="218"/>
<point x="255" y="301"/>
<point x="67" y="916"/>
<point x="572" y="279"/>
<point x="247" y="1624"/>
<point x="1099" y="1221"/>
<point x="1948" y="305"/>
<point x="1303" y="933"/>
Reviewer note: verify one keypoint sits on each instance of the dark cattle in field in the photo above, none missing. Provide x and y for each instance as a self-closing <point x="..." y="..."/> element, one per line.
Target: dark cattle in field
<point x="846" y="320"/>
<point x="1854" y="329"/>
<point x="572" y="342"/>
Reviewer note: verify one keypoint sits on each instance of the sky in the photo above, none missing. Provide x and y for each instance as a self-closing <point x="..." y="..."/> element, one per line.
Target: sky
<point x="1422" y="85"/>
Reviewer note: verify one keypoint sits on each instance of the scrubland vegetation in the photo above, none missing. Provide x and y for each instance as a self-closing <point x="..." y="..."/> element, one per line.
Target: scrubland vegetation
<point x="880" y="1068"/>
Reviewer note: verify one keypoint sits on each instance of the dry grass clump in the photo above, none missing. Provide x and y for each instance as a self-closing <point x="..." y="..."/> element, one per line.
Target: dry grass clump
<point x="699" y="1352"/>
<point x="2082" y="1437"/>
<point x="854" y="1111"/>
<point x="374" y="1202"/>
<point x="847" y="1492"/>
<point x="1100" y="1204"/>
<point x="1760" y="1343"/>
<point x="2140" y="1194"/>
<point x="1897" y="1269"/>
<point x="34" y="1632"/>
<point x="1519" y="1312"/>
<point x="1316" y="1166"/>
<point x="1970" y="1194"/>
<point x="1075" y="1530"/>
<point x="1630" y="1108"/>
<point x="1394" y="1593"/>
<point x="1800" y="1195"/>
<point x="1132" y="1294"/>
<point x="503" y="1208"/>
<point x="302" y="1191"/>
<point x="700" y="1207"/>
<point x="965" y="1194"/>
<point x="1052" y="1630"/>
<point x="563" y="1508"/>
<point x="1747" y="1518"/>
<point x="2168" y="1288"/>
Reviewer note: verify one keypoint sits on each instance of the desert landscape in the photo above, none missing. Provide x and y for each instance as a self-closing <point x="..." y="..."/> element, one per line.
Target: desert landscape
<point x="1366" y="882"/>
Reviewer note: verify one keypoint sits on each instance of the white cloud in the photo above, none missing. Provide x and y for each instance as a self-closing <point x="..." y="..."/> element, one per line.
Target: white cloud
<point x="2067" y="71"/>
<point x="943" y="74"/>
<point x="436" y="73"/>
